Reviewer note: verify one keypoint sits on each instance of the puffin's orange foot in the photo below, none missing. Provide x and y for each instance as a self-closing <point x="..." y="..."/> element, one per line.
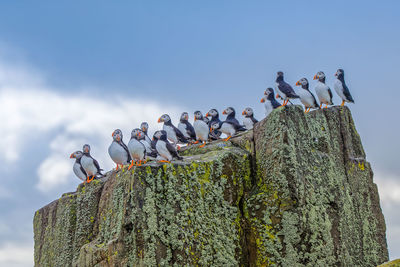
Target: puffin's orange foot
<point x="90" y="179"/>
<point x="196" y="142"/>
<point x="203" y="145"/>
<point x="326" y="106"/>
<point x="117" y="168"/>
<point x="229" y="137"/>
<point x="130" y="166"/>
<point x="342" y="103"/>
<point x="178" y="147"/>
<point x="164" y="161"/>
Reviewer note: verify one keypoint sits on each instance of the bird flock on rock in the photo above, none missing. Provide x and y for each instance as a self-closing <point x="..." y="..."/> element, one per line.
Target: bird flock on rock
<point x="164" y="145"/>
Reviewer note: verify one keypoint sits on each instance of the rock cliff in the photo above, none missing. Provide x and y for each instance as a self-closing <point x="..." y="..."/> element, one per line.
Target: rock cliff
<point x="296" y="191"/>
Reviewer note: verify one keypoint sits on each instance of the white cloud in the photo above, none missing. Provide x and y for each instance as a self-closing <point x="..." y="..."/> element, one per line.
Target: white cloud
<point x="29" y="110"/>
<point x="16" y="254"/>
<point x="388" y="187"/>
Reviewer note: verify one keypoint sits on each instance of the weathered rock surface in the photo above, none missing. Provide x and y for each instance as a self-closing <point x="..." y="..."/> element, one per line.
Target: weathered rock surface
<point x="296" y="192"/>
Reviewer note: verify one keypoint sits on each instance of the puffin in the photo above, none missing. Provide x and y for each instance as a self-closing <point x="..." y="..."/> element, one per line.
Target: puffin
<point x="270" y="103"/>
<point x="231" y="113"/>
<point x="285" y="91"/>
<point x="323" y="91"/>
<point x="201" y="128"/>
<point x="77" y="168"/>
<point x="173" y="133"/>
<point x="136" y="149"/>
<point x="165" y="150"/>
<point x="118" y="151"/>
<point x="341" y="88"/>
<point x="225" y="127"/>
<point x="249" y="119"/>
<point x="306" y="97"/>
<point x="145" y="127"/>
<point x="150" y="151"/>
<point x="90" y="165"/>
<point x="213" y="113"/>
<point x="186" y="128"/>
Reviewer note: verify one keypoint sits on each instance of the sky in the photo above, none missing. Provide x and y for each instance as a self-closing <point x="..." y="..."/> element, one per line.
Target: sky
<point x="73" y="71"/>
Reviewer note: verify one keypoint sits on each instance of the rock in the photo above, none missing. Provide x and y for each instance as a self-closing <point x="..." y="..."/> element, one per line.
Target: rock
<point x="296" y="191"/>
<point x="394" y="263"/>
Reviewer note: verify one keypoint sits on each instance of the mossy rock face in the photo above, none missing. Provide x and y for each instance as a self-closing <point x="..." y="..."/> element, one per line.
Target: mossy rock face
<point x="314" y="203"/>
<point x="296" y="191"/>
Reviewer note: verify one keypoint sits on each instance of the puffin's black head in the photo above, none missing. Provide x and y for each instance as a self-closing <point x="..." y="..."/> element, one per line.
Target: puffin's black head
<point x="136" y="133"/>
<point x="215" y="126"/>
<point x="164" y="118"/>
<point x="117" y="135"/>
<point x="320" y="76"/>
<point x="198" y="115"/>
<point x="144" y="126"/>
<point x="86" y="149"/>
<point x="268" y="94"/>
<point x="303" y="82"/>
<point x="339" y="73"/>
<point x="184" y="117"/>
<point x="76" y="155"/>
<point x="247" y="112"/>
<point x="229" y="111"/>
<point x="279" y="76"/>
<point x="158" y="134"/>
<point x="213" y="113"/>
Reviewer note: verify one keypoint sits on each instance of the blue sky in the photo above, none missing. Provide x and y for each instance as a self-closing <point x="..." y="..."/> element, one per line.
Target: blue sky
<point x="72" y="71"/>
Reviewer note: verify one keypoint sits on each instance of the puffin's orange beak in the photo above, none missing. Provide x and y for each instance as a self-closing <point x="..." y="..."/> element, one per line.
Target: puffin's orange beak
<point x="159" y="120"/>
<point x="298" y="83"/>
<point x="262" y="100"/>
<point x="139" y="134"/>
<point x="207" y="115"/>
<point x="315" y="77"/>
<point x="224" y="112"/>
<point x="244" y="112"/>
<point x="113" y="134"/>
<point x="195" y="118"/>
<point x="72" y="156"/>
<point x="143" y="129"/>
<point x="211" y="129"/>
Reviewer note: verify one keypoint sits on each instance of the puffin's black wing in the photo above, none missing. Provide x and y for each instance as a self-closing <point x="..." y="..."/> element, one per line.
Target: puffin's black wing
<point x="346" y="93"/>
<point x="315" y="100"/>
<point x="172" y="150"/>
<point x="285" y="88"/>
<point x="126" y="149"/>
<point x="153" y="144"/>
<point x="237" y="126"/>
<point x="180" y="135"/>
<point x="275" y="104"/>
<point x="330" y="95"/>
<point x="97" y="166"/>
<point x="190" y="130"/>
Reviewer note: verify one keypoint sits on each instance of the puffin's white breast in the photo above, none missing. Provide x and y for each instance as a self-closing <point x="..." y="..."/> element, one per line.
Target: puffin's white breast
<point x="117" y="153"/>
<point x="227" y="129"/>
<point x="321" y="90"/>
<point x="78" y="172"/>
<point x="201" y="129"/>
<point x="136" y="149"/>
<point x="182" y="128"/>
<point x="162" y="150"/>
<point x="339" y="89"/>
<point x="88" y="165"/>
<point x="171" y="135"/>
<point x="248" y="123"/>
<point x="306" y="98"/>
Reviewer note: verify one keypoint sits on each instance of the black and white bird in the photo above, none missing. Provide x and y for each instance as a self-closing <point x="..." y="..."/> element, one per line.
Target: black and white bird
<point x="213" y="113"/>
<point x="90" y="165"/>
<point x="270" y="103"/>
<point x="165" y="150"/>
<point x="201" y="128"/>
<point x="231" y="115"/>
<point x="151" y="152"/>
<point x="136" y="149"/>
<point x="306" y="97"/>
<point x="284" y="90"/>
<point x="186" y="128"/>
<point x="173" y="133"/>
<point x="341" y="88"/>
<point x="228" y="127"/>
<point x="145" y="128"/>
<point x="77" y="168"/>
<point x="118" y="151"/>
<point x="323" y="91"/>
<point x="249" y="119"/>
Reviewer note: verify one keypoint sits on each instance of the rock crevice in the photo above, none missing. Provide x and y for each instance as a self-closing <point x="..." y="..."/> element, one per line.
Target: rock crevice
<point x="296" y="191"/>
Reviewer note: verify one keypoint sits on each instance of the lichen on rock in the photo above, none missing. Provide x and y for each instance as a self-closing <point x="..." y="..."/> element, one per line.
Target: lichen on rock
<point x="296" y="191"/>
